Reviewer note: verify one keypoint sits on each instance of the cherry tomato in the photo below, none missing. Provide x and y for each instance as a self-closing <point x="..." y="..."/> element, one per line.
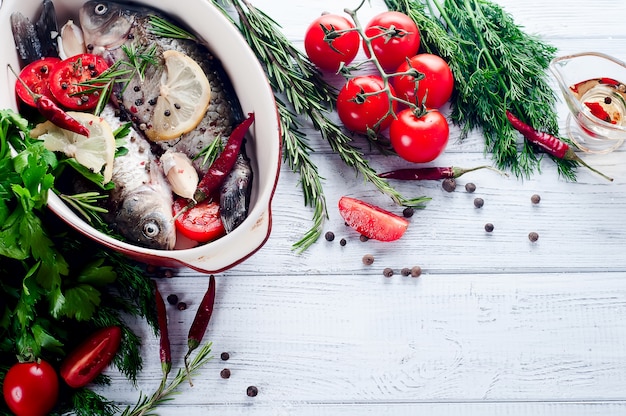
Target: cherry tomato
<point x="31" y="389"/>
<point x="419" y="139"/>
<point x="436" y="85"/>
<point x="360" y="113"/>
<point x="201" y="223"/>
<point x="68" y="74"/>
<point x="91" y="357"/>
<point x="328" y="54"/>
<point x="372" y="221"/>
<point x="35" y="75"/>
<point x="392" y="49"/>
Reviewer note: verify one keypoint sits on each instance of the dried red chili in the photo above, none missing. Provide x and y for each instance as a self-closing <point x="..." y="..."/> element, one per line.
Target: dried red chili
<point x="431" y="173"/>
<point x="549" y="143"/>
<point x="165" y="353"/>
<point x="201" y="321"/>
<point x="599" y="112"/>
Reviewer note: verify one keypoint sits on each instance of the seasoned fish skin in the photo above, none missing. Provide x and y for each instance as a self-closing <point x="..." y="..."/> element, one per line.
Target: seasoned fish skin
<point x="235" y="194"/>
<point x="140" y="205"/>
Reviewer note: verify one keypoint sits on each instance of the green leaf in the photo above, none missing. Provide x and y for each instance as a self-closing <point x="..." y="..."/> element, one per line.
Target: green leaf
<point x="46" y="340"/>
<point x="80" y="302"/>
<point x="96" y="274"/>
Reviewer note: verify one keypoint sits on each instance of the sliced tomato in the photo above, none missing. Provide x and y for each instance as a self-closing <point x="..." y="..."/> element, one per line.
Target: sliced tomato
<point x="35" y="75"/>
<point x="91" y="357"/>
<point x="69" y="81"/>
<point x="372" y="221"/>
<point x="201" y="223"/>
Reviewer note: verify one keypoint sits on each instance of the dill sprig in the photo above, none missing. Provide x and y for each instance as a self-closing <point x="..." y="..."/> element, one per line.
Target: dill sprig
<point x="497" y="67"/>
<point x="293" y="76"/>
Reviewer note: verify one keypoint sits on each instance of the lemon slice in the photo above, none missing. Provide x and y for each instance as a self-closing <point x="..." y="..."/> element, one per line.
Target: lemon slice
<point x="184" y="98"/>
<point x="94" y="152"/>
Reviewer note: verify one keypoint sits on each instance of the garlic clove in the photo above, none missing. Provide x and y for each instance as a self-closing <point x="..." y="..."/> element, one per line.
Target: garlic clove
<point x="70" y="40"/>
<point x="180" y="173"/>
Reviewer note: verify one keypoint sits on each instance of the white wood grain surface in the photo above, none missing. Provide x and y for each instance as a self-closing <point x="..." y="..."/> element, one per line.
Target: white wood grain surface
<point x="496" y="325"/>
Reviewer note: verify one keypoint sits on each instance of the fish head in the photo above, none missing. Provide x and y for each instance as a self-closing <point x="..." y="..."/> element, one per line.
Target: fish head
<point x="145" y="218"/>
<point x="106" y="25"/>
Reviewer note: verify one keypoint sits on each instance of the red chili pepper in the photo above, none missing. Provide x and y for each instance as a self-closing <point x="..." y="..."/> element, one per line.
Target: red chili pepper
<point x="200" y="322"/>
<point x="551" y="144"/>
<point x="165" y="353"/>
<point x="599" y="112"/>
<point x="224" y="163"/>
<point x="51" y="111"/>
<point x="431" y="173"/>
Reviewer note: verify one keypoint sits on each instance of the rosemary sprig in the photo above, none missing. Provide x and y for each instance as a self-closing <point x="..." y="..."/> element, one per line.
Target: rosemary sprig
<point x="294" y="77"/>
<point x="163" y="28"/>
<point x="146" y="404"/>
<point x="497" y="66"/>
<point x="85" y="204"/>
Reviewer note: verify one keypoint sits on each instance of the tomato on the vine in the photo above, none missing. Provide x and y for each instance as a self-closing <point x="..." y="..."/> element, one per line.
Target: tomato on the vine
<point x="88" y="360"/>
<point x="35" y="75"/>
<point x="69" y="77"/>
<point x="419" y="138"/>
<point x="372" y="221"/>
<point x="31" y="389"/>
<point x="394" y="48"/>
<point x="436" y="86"/>
<point x="326" y="47"/>
<point x="363" y="105"/>
<point x="201" y="223"/>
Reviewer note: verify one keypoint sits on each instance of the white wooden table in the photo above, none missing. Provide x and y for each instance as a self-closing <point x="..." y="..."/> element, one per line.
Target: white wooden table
<point x="496" y="325"/>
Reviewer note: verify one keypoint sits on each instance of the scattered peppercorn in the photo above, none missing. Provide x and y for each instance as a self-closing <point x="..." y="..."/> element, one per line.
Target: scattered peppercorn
<point x="252" y="391"/>
<point x="329" y="236"/>
<point x="489" y="227"/>
<point x="363" y="238"/>
<point x="405" y="271"/>
<point x="416" y="271"/>
<point x="168" y="273"/>
<point x="470" y="187"/>
<point x="449" y="184"/>
<point x="533" y="236"/>
<point x="181" y="306"/>
<point x="225" y="373"/>
<point x="607" y="100"/>
<point x="535" y="199"/>
<point x="224" y="356"/>
<point x="172" y="299"/>
<point x="388" y="272"/>
<point x="408" y="212"/>
<point x="368" y="259"/>
<point x="342" y="242"/>
<point x="479" y="202"/>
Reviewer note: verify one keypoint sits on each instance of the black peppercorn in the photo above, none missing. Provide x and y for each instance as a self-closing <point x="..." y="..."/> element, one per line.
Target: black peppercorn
<point x="342" y="242"/>
<point x="479" y="202"/>
<point x="388" y="272"/>
<point x="470" y="187"/>
<point x="535" y="199"/>
<point x="181" y="306"/>
<point x="368" y="259"/>
<point x="363" y="238"/>
<point x="489" y="227"/>
<point x="330" y="236"/>
<point x="224" y="356"/>
<point x="252" y="391"/>
<point x="408" y="212"/>
<point x="416" y="271"/>
<point x="533" y="236"/>
<point x="225" y="373"/>
<point x="405" y="271"/>
<point x="172" y="299"/>
<point x="449" y="184"/>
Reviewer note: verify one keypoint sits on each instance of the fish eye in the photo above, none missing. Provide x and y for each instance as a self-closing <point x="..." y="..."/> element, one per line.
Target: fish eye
<point x="100" y="9"/>
<point x="151" y="229"/>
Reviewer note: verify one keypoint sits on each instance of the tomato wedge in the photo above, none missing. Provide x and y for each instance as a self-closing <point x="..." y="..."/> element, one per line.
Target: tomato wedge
<point x="201" y="223"/>
<point x="68" y="81"/>
<point x="372" y="221"/>
<point x="35" y="75"/>
<point x="91" y="357"/>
